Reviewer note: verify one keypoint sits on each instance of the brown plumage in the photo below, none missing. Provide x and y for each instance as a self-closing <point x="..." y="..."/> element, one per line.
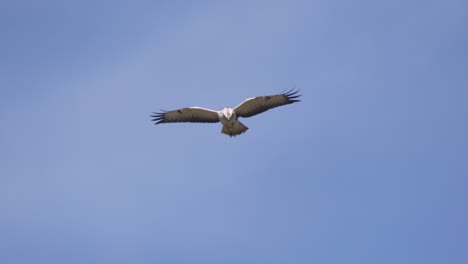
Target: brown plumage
<point x="227" y="116"/>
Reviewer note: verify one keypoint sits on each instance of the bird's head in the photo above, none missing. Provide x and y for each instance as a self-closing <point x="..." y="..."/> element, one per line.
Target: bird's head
<point x="228" y="112"/>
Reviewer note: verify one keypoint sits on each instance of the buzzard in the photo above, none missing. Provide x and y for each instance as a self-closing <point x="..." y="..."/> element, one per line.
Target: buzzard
<point x="227" y="116"/>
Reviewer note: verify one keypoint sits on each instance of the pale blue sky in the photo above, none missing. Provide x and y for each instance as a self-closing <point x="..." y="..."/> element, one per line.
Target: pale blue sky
<point x="371" y="166"/>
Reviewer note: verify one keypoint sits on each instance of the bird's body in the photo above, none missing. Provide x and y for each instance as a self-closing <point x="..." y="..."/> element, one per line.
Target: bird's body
<point x="231" y="125"/>
<point x="227" y="116"/>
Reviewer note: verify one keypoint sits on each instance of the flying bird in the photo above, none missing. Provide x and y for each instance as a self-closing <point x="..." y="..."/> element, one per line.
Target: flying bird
<point x="227" y="116"/>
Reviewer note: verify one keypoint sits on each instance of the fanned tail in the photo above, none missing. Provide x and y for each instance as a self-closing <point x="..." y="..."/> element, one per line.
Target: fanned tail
<point x="234" y="129"/>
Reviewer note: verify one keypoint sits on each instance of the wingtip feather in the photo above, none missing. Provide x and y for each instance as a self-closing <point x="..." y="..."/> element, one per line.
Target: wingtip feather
<point x="291" y="95"/>
<point x="158" y="117"/>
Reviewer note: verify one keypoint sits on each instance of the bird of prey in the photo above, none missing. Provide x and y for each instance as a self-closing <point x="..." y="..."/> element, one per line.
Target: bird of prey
<point x="227" y="116"/>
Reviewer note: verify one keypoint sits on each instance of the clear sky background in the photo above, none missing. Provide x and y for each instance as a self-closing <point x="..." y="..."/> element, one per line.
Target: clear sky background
<point x="371" y="166"/>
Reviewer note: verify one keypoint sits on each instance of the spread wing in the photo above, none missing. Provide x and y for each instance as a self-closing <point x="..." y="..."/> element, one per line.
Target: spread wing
<point x="191" y="114"/>
<point x="256" y="105"/>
